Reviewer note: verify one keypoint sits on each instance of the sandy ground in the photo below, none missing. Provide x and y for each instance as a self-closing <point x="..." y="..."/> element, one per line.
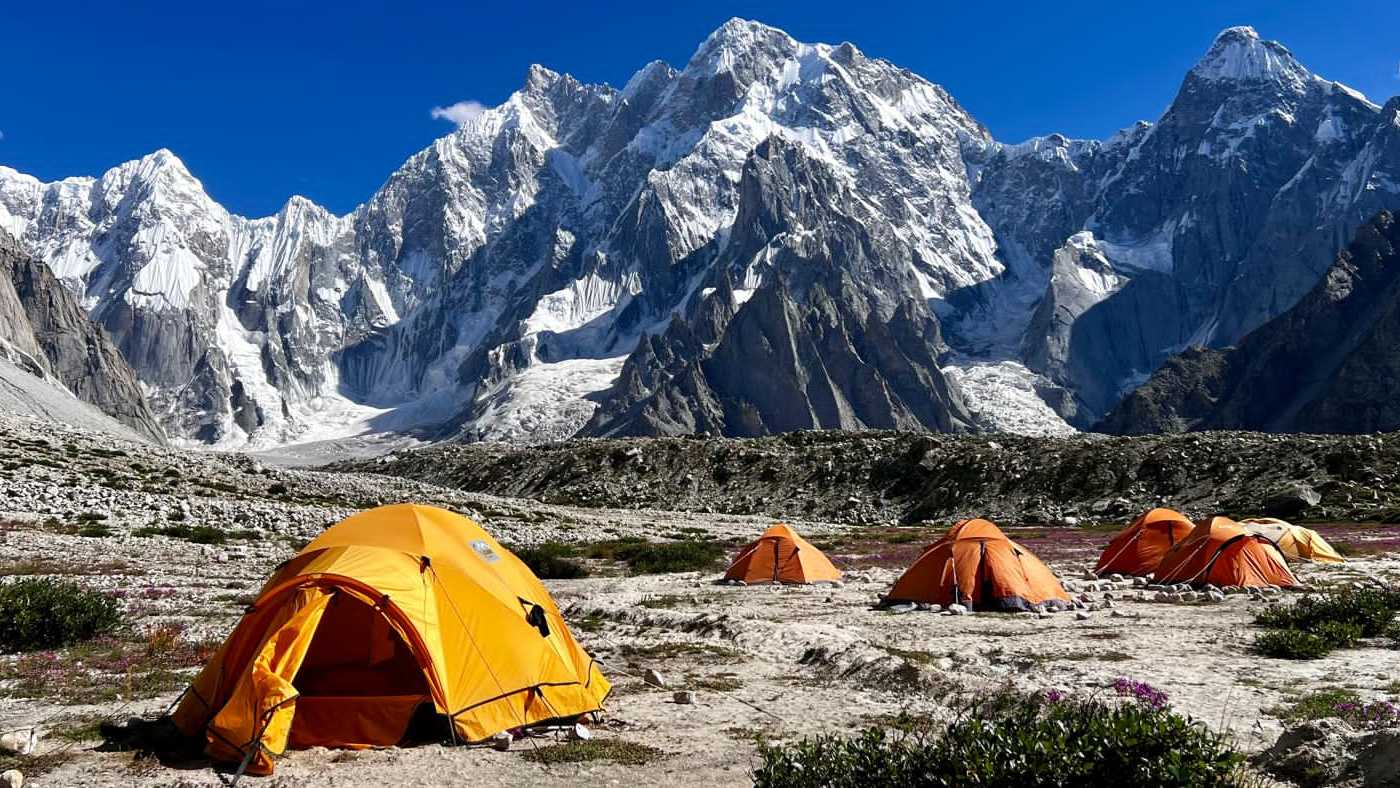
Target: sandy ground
<point x="771" y="662"/>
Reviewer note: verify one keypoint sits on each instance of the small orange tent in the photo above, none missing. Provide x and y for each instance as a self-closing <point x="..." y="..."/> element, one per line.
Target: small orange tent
<point x="1139" y="548"/>
<point x="392" y="609"/>
<point x="781" y="556"/>
<point x="974" y="564"/>
<point x="1220" y="551"/>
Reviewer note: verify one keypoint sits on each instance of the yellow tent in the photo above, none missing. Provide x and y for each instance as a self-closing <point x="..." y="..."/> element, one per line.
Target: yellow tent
<point x="1294" y="541"/>
<point x="391" y="609"/>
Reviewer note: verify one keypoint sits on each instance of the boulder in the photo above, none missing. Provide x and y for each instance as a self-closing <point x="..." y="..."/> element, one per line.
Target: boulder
<point x="1291" y="501"/>
<point x="13" y="778"/>
<point x="23" y="741"/>
<point x="684" y="697"/>
<point x="1329" y="751"/>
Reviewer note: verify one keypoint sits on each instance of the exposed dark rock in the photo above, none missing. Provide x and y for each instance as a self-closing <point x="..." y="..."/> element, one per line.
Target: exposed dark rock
<point x="49" y="334"/>
<point x="1325" y="365"/>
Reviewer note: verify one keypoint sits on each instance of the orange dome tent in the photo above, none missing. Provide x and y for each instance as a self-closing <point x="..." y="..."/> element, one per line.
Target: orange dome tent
<point x="1220" y="551"/>
<point x="781" y="556"/>
<point x="392" y="609"/>
<point x="1139" y="548"/>
<point x="974" y="564"/>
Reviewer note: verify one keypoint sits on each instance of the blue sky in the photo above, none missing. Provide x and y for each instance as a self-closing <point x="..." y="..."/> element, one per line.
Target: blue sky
<point x="267" y="99"/>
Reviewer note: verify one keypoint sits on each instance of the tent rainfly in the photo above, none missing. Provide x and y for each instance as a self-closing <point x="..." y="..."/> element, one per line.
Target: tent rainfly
<point x="976" y="565"/>
<point x="781" y="556"/>
<point x="1139" y="548"/>
<point x="393" y="609"/>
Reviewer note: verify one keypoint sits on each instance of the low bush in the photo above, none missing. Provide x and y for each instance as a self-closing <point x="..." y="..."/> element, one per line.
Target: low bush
<point x="199" y="534"/>
<point x="1371" y="609"/>
<point x="41" y="613"/>
<point x="1015" y="740"/>
<point x="653" y="558"/>
<point x="1342" y="704"/>
<point x="551" y="561"/>
<point x="1315" y="625"/>
<point x="1291" y="644"/>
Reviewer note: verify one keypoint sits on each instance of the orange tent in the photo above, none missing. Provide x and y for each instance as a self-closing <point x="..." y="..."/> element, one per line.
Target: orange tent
<point x="781" y="556"/>
<point x="974" y="564"/>
<point x="1220" y="551"/>
<point x="1139" y="548"/>
<point x="393" y="609"/>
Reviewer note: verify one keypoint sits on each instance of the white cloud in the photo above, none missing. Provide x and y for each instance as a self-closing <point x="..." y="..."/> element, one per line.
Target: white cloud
<point x="461" y="113"/>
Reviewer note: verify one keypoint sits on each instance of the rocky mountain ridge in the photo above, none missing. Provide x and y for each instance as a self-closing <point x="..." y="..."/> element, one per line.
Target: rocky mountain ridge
<point x="1328" y="364"/>
<point x="45" y="334"/>
<point x="635" y="261"/>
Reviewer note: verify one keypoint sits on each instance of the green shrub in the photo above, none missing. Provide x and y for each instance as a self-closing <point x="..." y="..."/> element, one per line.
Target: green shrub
<point x="1014" y="740"/>
<point x="1292" y="644"/>
<point x="551" y="561"/>
<point x="652" y="558"/>
<point x="1315" y="704"/>
<point x="1314" y="625"/>
<point x="41" y="613"/>
<point x="199" y="534"/>
<point x="1371" y="609"/>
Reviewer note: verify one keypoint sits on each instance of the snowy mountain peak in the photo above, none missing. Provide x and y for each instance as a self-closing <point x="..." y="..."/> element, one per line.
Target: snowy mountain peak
<point x="1240" y="55"/>
<point x="738" y="41"/>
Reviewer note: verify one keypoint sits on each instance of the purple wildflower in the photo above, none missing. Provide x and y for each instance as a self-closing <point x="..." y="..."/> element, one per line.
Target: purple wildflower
<point x="1140" y="691"/>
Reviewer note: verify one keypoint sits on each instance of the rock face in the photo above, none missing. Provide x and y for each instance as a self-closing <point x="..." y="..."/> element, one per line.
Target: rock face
<point x="809" y="347"/>
<point x="1322" y="366"/>
<point x="1190" y="231"/>
<point x="45" y="333"/>
<point x="776" y="235"/>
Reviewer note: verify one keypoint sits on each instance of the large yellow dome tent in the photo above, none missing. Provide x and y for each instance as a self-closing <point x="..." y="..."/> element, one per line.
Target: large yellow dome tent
<point x="391" y="609"/>
<point x="1294" y="541"/>
<point x="781" y="556"/>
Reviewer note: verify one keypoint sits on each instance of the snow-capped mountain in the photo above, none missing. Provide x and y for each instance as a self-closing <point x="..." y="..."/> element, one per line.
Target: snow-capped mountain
<point x="767" y="238"/>
<point x="1193" y="230"/>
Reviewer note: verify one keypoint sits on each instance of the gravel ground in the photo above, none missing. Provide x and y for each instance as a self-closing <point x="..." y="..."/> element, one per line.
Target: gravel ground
<point x="765" y="663"/>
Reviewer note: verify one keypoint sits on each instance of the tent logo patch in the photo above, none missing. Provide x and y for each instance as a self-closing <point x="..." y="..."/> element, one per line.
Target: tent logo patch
<point x="484" y="550"/>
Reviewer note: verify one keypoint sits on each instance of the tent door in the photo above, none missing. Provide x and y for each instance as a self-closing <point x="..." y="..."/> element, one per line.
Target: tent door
<point x="360" y="684"/>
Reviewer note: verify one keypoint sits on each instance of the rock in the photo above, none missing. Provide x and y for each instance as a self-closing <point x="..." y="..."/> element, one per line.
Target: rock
<point x="684" y="697"/>
<point x="1082" y="616"/>
<point x="1291" y="501"/>
<point x="907" y="607"/>
<point x="944" y="663"/>
<point x="654" y="678"/>
<point x="1322" y="752"/>
<point x="13" y="778"/>
<point x="1215" y="596"/>
<point x="958" y="610"/>
<point x="23" y="741"/>
<point x="502" y="741"/>
<point x="935" y="608"/>
<point x="1119" y="614"/>
<point x="580" y="732"/>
